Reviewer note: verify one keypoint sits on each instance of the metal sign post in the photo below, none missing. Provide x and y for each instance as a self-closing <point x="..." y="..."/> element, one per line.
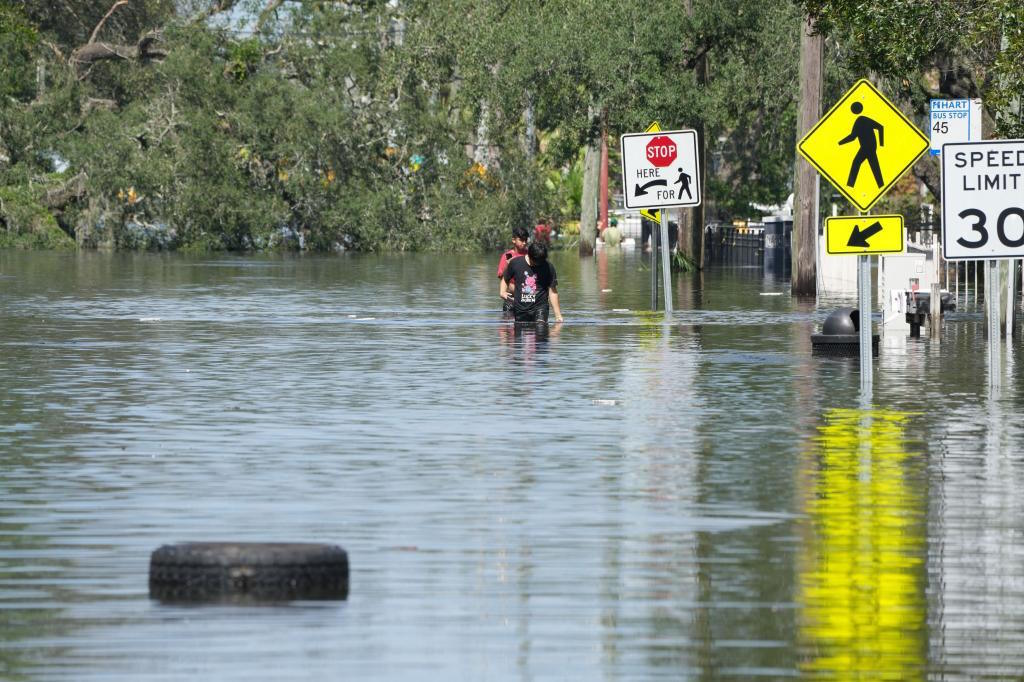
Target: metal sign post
<point x="654" y="267"/>
<point x="994" y="337"/>
<point x="666" y="268"/>
<point x="864" y="304"/>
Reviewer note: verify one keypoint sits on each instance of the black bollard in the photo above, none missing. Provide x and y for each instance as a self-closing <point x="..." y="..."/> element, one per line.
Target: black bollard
<point x="839" y="335"/>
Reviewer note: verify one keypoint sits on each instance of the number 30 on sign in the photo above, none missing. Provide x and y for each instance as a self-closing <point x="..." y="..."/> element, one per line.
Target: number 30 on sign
<point x="983" y="200"/>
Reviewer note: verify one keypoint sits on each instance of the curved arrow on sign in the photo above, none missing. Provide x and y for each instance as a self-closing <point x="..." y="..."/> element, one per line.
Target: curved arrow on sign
<point x="642" y="190"/>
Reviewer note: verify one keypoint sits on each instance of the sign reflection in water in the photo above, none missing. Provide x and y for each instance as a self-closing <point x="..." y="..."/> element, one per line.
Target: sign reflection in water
<point x="862" y="573"/>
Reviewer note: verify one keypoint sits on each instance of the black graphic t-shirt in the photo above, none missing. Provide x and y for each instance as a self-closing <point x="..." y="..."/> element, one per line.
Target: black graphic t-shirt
<point x="531" y="283"/>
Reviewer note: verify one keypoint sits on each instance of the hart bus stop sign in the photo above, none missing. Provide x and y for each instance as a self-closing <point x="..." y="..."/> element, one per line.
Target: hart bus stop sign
<point x="863" y="145"/>
<point x="659" y="169"/>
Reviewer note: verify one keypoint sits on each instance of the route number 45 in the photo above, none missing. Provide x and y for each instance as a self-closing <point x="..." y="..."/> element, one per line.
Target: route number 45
<point x="982" y="231"/>
<point x="940" y="127"/>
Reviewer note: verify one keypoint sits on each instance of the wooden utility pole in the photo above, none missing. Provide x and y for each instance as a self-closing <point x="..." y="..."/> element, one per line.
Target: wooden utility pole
<point x="805" y="185"/>
<point x="690" y="232"/>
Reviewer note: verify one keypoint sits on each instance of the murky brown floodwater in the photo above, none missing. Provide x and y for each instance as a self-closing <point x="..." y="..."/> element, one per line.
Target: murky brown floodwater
<point x="616" y="500"/>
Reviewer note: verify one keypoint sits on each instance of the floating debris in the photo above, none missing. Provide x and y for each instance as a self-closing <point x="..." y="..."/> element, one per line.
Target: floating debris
<point x="606" y="291"/>
<point x="771" y="293"/>
<point x="601" y="401"/>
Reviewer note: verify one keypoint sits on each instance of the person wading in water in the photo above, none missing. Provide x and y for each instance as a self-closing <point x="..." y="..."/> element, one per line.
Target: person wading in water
<point x="535" y="286"/>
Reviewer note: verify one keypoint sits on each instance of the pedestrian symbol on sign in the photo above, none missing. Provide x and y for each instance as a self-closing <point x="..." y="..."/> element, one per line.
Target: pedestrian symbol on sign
<point x="684" y="183"/>
<point x="864" y="132"/>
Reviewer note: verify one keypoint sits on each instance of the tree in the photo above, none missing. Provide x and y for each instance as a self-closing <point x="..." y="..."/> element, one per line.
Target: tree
<point x="948" y="48"/>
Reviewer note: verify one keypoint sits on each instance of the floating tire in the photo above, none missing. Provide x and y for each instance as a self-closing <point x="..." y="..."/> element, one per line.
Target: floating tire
<point x="248" y="571"/>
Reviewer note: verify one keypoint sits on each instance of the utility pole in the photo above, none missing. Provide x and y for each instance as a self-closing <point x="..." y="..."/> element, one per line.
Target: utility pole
<point x="690" y="233"/>
<point x="805" y="190"/>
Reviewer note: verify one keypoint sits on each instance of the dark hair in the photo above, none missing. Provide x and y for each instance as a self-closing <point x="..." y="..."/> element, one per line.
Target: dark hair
<point x="520" y="233"/>
<point x="537" y="252"/>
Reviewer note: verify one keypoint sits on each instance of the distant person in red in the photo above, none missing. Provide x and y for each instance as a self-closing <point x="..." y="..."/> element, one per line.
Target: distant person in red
<point x="542" y="233"/>
<point x="520" y="236"/>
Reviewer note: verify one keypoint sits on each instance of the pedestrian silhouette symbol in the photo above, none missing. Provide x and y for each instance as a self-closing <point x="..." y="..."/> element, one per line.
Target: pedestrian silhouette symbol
<point x="684" y="184"/>
<point x="864" y="132"/>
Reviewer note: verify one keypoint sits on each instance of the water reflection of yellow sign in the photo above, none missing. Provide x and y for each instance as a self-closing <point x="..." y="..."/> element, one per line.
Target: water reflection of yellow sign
<point x="862" y="577"/>
<point x="863" y="145"/>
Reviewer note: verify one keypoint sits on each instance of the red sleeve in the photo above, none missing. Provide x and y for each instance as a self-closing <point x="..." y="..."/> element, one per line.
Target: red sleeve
<point x="502" y="263"/>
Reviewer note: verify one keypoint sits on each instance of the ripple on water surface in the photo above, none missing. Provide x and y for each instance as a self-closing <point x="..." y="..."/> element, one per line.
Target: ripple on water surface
<point x="615" y="497"/>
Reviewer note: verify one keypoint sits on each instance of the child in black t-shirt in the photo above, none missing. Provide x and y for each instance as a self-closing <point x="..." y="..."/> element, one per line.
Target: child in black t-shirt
<point x="535" y="285"/>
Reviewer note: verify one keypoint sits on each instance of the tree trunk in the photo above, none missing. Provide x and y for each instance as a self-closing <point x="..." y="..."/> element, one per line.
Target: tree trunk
<point x="588" y="210"/>
<point x="481" y="149"/>
<point x="530" y="148"/>
<point x="805" y="199"/>
<point x="602" y="196"/>
<point x="530" y="137"/>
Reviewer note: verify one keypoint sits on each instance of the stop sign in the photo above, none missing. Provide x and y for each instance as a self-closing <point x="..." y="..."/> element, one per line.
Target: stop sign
<point x="661" y="151"/>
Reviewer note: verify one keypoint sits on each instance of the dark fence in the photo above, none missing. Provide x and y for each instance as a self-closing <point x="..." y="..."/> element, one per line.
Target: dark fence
<point x="765" y="245"/>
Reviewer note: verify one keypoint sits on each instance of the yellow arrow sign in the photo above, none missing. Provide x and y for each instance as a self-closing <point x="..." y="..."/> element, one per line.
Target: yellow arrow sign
<point x="865" y="235"/>
<point x="863" y="145"/>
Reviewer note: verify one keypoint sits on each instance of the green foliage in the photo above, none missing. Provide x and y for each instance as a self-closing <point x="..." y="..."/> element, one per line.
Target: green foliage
<point x="353" y="125"/>
<point x="564" y="188"/>
<point x="680" y="262"/>
<point x="946" y="48"/>
<point x="26" y="224"/>
<point x="17" y="40"/>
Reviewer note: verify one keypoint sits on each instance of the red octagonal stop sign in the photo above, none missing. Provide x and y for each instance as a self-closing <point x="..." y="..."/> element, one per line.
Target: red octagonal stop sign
<point x="661" y="151"/>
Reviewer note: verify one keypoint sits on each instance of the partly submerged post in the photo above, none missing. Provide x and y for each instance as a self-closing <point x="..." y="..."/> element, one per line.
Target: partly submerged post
<point x="864" y="303"/>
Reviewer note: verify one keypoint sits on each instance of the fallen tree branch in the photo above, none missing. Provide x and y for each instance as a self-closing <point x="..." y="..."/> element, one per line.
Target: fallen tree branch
<point x="271" y="7"/>
<point x="96" y="31"/>
<point x="98" y="103"/>
<point x="84" y="57"/>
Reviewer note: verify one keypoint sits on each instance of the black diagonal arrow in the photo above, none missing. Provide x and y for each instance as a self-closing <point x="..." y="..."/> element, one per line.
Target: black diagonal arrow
<point x="859" y="238"/>
<point x="642" y="190"/>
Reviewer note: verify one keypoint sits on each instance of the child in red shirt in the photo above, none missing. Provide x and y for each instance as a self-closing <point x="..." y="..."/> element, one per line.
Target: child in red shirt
<point x="520" y="236"/>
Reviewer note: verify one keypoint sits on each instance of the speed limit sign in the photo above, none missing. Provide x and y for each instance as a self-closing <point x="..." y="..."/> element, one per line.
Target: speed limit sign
<point x="983" y="200"/>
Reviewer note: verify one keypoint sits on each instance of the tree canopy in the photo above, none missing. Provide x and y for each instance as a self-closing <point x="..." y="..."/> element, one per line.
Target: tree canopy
<point x="422" y="124"/>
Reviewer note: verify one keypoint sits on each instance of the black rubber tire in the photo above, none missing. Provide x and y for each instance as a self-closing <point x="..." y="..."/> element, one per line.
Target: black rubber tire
<point x="248" y="571"/>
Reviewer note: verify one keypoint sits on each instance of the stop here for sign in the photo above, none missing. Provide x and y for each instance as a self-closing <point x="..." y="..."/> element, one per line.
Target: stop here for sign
<point x="660" y="169"/>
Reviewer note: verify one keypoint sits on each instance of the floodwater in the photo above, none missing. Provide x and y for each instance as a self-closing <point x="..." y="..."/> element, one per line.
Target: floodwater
<point x="615" y="499"/>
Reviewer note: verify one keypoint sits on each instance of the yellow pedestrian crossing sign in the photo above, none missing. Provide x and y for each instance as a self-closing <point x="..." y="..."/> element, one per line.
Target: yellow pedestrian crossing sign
<point x="865" y="235"/>
<point x="863" y="145"/>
